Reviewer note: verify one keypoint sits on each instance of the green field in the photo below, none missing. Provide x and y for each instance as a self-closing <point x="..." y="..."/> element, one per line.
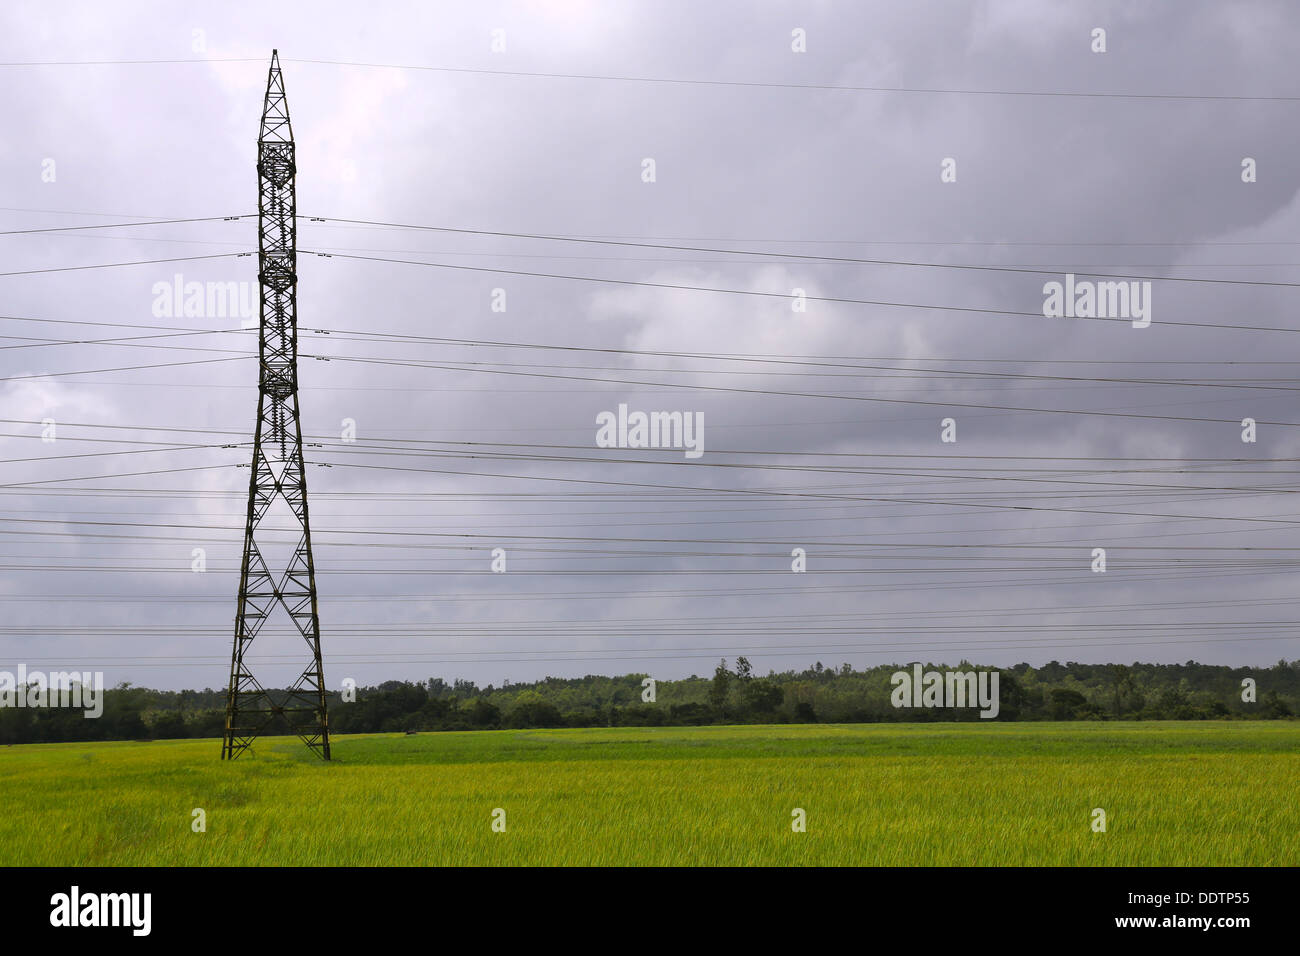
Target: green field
<point x="1194" y="793"/>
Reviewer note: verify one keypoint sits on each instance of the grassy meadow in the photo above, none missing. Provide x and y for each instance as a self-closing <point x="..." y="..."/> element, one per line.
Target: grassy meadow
<point x="1174" y="793"/>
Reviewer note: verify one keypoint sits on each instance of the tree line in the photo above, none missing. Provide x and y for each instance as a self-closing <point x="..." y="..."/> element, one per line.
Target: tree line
<point x="731" y="695"/>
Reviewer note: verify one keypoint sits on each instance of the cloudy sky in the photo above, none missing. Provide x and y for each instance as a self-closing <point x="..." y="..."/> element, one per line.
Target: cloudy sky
<point x="508" y="132"/>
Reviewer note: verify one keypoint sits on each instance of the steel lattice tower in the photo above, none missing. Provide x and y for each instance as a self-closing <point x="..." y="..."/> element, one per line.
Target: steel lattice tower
<point x="278" y="470"/>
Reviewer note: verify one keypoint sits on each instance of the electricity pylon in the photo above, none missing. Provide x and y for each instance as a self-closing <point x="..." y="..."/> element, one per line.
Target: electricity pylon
<point x="278" y="471"/>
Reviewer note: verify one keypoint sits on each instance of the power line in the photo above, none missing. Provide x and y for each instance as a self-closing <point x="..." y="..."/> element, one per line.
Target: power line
<point x="805" y="494"/>
<point x="190" y="60"/>
<point x="841" y="300"/>
<point x="895" y="373"/>
<point x="1082" y="270"/>
<point x="587" y="657"/>
<point x="501" y="537"/>
<point x="803" y="86"/>
<point x="124" y="368"/>
<point x="941" y="457"/>
<point x="114" y="265"/>
<point x="684" y="81"/>
<point x="404" y="337"/>
<point x="129" y="474"/>
<point x="796" y="394"/>
<point x="119" y="225"/>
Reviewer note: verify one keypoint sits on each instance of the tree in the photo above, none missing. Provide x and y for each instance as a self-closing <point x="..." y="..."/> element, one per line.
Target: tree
<point x="483" y="714"/>
<point x="1064" y="701"/>
<point x="762" y="695"/>
<point x="531" y="709"/>
<point x="721" y="683"/>
<point x="743" y="671"/>
<point x="1174" y="705"/>
<point x="1011" y="695"/>
<point x="1274" y="705"/>
<point x="169" y="726"/>
<point x="1123" y="685"/>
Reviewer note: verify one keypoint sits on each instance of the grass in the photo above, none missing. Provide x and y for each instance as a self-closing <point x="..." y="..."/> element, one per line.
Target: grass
<point x="1197" y="793"/>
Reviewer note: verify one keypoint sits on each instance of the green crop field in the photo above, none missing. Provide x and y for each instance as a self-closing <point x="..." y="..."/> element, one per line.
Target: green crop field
<point x="1194" y="793"/>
